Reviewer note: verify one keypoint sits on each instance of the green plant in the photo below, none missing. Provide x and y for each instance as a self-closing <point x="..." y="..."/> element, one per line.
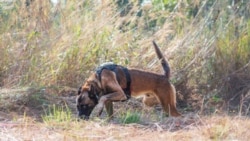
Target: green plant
<point x="130" y="117"/>
<point x="165" y="4"/>
<point x="216" y="98"/>
<point x="57" y="114"/>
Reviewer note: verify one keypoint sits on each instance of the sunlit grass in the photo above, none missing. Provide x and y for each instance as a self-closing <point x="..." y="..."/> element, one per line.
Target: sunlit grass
<point x="66" y="42"/>
<point x="42" y="45"/>
<point x="54" y="46"/>
<point x="188" y="128"/>
<point x="130" y="117"/>
<point x="57" y="114"/>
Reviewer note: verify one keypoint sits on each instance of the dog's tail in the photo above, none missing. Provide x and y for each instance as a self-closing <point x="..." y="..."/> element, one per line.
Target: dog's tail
<point x="164" y="63"/>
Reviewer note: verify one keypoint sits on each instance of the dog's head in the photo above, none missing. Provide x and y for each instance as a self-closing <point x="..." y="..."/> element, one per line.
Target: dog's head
<point x="87" y="98"/>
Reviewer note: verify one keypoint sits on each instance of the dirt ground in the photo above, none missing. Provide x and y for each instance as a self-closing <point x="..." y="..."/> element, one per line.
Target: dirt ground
<point x="21" y="112"/>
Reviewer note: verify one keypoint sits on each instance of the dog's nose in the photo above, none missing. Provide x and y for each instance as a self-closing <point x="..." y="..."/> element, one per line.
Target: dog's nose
<point x="86" y="117"/>
<point x="83" y="117"/>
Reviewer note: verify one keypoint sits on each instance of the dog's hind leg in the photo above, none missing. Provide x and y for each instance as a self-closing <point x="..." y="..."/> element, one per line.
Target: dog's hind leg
<point x="167" y="100"/>
<point x="150" y="100"/>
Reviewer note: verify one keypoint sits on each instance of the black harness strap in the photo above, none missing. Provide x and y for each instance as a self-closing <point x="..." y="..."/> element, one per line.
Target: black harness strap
<point x="113" y="67"/>
<point x="128" y="78"/>
<point x="109" y="66"/>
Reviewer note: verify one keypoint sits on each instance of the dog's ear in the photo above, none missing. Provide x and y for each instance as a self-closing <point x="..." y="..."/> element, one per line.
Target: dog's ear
<point x="93" y="95"/>
<point x="92" y="91"/>
<point x="79" y="91"/>
<point x="85" y="87"/>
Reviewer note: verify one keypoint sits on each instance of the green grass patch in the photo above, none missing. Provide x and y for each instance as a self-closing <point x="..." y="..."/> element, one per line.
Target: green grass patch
<point x="130" y="117"/>
<point x="57" y="114"/>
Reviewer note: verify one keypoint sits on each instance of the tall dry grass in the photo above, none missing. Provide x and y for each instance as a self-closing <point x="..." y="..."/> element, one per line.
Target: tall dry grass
<point x="206" y="43"/>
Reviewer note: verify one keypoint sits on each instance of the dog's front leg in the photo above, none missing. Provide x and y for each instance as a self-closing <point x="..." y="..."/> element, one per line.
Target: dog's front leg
<point x="116" y="96"/>
<point x="109" y="109"/>
<point x="100" y="106"/>
<point x="110" y="83"/>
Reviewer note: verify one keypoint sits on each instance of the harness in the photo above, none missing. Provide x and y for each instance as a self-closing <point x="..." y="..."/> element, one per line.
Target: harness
<point x="113" y="67"/>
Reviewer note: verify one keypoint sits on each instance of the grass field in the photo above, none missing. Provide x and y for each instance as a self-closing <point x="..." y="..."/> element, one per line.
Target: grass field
<point x="49" y="49"/>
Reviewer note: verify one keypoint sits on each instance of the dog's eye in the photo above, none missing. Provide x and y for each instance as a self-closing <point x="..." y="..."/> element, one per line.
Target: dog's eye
<point x="84" y="106"/>
<point x="81" y="106"/>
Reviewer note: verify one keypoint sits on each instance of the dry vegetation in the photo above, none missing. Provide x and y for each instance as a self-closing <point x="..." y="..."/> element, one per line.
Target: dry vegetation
<point x="47" y="50"/>
<point x="213" y="128"/>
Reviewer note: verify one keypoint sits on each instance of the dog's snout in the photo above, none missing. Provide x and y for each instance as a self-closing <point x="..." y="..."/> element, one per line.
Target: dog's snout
<point x="86" y="117"/>
<point x="82" y="116"/>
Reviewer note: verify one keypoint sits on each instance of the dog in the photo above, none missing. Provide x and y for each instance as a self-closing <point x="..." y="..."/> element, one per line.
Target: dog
<point x="112" y="83"/>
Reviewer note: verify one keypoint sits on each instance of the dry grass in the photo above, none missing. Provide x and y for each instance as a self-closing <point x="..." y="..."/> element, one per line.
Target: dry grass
<point x="29" y="122"/>
<point x="53" y="48"/>
<point x="58" y="45"/>
<point x="187" y="128"/>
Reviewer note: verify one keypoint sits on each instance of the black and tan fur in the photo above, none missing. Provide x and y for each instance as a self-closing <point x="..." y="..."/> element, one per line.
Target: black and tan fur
<point x="99" y="93"/>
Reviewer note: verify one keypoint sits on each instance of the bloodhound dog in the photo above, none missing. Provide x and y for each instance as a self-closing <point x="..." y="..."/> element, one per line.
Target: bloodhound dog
<point x="112" y="83"/>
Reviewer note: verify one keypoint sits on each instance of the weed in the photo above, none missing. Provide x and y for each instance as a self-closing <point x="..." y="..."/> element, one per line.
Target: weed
<point x="220" y="131"/>
<point x="57" y="114"/>
<point x="130" y="117"/>
<point x="216" y="98"/>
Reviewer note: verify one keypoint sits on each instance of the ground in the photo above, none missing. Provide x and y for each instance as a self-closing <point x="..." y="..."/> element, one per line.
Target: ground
<point x="29" y="114"/>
